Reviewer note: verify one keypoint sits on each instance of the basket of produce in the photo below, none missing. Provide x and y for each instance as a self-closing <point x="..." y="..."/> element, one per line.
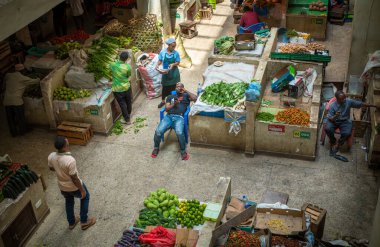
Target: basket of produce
<point x="245" y="41"/>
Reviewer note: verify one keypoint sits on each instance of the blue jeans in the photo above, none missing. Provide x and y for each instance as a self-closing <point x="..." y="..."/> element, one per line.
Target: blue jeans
<point x="171" y="121"/>
<point x="69" y="197"/>
<point x="345" y="131"/>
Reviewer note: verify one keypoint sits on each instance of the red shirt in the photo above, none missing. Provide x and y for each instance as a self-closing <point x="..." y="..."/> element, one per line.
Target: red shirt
<point x="249" y="18"/>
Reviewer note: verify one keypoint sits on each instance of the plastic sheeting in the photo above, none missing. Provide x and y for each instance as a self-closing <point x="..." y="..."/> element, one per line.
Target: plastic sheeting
<point x="229" y="73"/>
<point x="78" y="78"/>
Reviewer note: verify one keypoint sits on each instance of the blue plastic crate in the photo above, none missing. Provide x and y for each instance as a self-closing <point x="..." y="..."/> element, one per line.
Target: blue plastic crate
<point x="217" y="114"/>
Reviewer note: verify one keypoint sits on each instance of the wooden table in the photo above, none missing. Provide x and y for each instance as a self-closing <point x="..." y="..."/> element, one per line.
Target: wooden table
<point x="188" y="29"/>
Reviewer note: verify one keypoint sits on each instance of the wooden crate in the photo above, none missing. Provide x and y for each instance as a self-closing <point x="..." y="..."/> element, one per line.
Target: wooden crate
<point x="318" y="218"/>
<point x="76" y="133"/>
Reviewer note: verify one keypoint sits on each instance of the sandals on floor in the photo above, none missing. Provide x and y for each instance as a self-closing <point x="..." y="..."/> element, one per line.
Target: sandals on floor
<point x="90" y="221"/>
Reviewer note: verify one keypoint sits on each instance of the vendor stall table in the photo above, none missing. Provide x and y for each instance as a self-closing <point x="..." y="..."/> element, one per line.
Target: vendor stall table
<point x="20" y="217"/>
<point x="300" y="18"/>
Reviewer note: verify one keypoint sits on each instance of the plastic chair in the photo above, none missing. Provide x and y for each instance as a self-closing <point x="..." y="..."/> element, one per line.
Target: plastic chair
<point x="350" y="139"/>
<point x="253" y="28"/>
<point x="186" y="121"/>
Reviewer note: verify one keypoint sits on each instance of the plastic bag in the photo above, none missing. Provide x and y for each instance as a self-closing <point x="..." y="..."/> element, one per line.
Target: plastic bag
<point x="235" y="118"/>
<point x="78" y="78"/>
<point x="253" y="92"/>
<point x="159" y="237"/>
<point x="309" y="77"/>
<point x="79" y="57"/>
<point x="185" y="58"/>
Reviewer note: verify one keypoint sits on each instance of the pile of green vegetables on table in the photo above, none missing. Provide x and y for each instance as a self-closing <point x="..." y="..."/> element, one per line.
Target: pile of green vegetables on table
<point x="102" y="53"/>
<point x="265" y="116"/>
<point x="164" y="209"/>
<point x="224" y="94"/>
<point x="224" y="45"/>
<point x="68" y="94"/>
<point x="63" y="49"/>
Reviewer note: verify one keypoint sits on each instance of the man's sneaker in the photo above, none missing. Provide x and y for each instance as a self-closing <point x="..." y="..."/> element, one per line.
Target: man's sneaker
<point x="161" y="104"/>
<point x="90" y="221"/>
<point x="155" y="153"/>
<point x="128" y="122"/>
<point x="185" y="156"/>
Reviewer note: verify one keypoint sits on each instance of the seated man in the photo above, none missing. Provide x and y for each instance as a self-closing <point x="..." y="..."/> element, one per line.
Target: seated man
<point x="248" y="18"/>
<point x="176" y="106"/>
<point x="339" y="117"/>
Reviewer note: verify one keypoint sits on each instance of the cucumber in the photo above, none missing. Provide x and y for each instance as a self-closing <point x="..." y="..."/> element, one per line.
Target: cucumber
<point x="29" y="177"/>
<point x="5" y="193"/>
<point x="19" y="182"/>
<point x="15" y="186"/>
<point x="12" y="193"/>
<point x="24" y="181"/>
<point x="34" y="175"/>
<point x="26" y="177"/>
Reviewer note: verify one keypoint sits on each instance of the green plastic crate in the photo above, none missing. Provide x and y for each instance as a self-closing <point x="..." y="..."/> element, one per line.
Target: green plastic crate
<point x="212" y="3"/>
<point x="301" y="57"/>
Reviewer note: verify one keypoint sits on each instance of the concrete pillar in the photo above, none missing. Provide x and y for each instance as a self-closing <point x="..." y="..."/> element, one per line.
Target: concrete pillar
<point x="365" y="34"/>
<point x="165" y="15"/>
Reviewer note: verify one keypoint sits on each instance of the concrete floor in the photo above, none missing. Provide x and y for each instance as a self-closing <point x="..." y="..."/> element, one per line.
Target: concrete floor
<point x="119" y="172"/>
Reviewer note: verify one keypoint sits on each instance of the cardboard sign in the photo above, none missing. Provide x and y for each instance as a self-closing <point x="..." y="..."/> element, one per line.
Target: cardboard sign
<point x="276" y="128"/>
<point x="301" y="134"/>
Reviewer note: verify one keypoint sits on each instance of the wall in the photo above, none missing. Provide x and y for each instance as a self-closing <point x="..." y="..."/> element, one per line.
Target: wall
<point x="365" y="34"/>
<point x="19" y="13"/>
<point x="375" y="236"/>
<point x="149" y="7"/>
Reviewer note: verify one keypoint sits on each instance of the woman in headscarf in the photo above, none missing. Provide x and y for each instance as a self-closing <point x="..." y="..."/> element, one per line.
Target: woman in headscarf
<point x="169" y="58"/>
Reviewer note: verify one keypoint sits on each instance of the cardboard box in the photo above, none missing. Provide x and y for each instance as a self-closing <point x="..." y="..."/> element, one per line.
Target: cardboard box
<point x="123" y="14"/>
<point x="281" y="221"/>
<point x="296" y="87"/>
<point x="282" y="78"/>
<point x="184" y="237"/>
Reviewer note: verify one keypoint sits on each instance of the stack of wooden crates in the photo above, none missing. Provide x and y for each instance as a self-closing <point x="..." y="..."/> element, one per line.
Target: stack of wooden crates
<point x="318" y="218"/>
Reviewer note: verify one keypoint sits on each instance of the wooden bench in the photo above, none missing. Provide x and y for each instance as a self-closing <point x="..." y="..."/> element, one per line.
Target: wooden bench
<point x="76" y="133"/>
<point x="188" y="29"/>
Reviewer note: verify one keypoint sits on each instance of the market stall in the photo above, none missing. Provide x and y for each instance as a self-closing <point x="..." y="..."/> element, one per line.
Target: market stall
<point x="308" y="16"/>
<point x="224" y="220"/>
<point x="245" y="49"/>
<point x="22" y="202"/>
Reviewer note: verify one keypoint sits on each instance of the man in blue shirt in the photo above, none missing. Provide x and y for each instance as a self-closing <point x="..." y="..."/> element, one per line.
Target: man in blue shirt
<point x="175" y="107"/>
<point x="339" y="117"/>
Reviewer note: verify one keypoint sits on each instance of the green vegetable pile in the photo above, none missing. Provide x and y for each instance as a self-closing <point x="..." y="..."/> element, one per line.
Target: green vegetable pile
<point x="224" y="45"/>
<point x="224" y="94"/>
<point x="65" y="93"/>
<point x="163" y="201"/>
<point x="291" y="33"/>
<point x="265" y="116"/>
<point x="152" y="217"/>
<point x="102" y="53"/>
<point x="62" y="51"/>
<point x="117" y="128"/>
<point x="138" y="124"/>
<point x="191" y="213"/>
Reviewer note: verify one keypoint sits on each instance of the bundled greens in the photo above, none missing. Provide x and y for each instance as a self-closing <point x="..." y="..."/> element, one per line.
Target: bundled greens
<point x="265" y="116"/>
<point x="62" y="51"/>
<point x="102" y="53"/>
<point x="224" y="45"/>
<point x="224" y="94"/>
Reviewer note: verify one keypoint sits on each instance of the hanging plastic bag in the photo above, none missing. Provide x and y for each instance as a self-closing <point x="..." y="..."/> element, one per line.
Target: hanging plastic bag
<point x="253" y="92"/>
<point x="235" y="118"/>
<point x="159" y="237"/>
<point x="309" y="77"/>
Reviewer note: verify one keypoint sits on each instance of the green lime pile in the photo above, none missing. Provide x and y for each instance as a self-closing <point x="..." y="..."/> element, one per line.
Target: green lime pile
<point x="191" y="213"/>
<point x="163" y="201"/>
<point x="68" y="94"/>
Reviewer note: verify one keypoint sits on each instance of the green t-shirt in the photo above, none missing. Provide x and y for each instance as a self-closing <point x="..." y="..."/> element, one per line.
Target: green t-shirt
<point x="120" y="73"/>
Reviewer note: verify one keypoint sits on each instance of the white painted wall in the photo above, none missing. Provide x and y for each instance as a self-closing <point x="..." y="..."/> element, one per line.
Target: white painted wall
<point x="149" y="7"/>
<point x="365" y="34"/>
<point x="16" y="14"/>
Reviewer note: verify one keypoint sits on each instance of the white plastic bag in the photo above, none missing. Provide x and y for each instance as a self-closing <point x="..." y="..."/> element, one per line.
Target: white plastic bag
<point x="78" y="78"/>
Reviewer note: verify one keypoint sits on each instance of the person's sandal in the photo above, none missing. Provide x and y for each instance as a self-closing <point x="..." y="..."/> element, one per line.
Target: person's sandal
<point x="90" y="221"/>
<point x="185" y="156"/>
<point x="77" y="219"/>
<point x="155" y="153"/>
<point x="161" y="104"/>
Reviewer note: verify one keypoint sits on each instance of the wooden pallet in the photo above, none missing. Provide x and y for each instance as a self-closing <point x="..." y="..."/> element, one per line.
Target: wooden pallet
<point x="76" y="133"/>
<point x="318" y="218"/>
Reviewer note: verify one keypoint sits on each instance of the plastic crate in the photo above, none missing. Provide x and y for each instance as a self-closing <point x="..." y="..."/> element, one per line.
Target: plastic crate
<point x="301" y="57"/>
<point x="279" y="55"/>
<point x="212" y="3"/>
<point x="217" y="114"/>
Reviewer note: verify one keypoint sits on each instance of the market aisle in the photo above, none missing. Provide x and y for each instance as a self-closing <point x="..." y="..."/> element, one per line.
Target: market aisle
<point x="120" y="173"/>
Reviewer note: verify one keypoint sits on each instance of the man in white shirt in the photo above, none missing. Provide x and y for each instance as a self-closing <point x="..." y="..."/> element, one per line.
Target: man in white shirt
<point x="71" y="186"/>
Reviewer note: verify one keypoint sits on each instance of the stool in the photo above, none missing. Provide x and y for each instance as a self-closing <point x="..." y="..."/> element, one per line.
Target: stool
<point x="188" y="29"/>
<point x="206" y="13"/>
